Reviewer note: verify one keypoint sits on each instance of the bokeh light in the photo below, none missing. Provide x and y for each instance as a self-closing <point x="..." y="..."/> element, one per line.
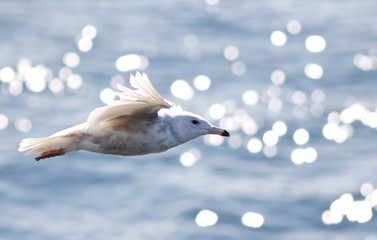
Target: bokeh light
<point x="313" y="71"/>
<point x="231" y="53"/>
<point x="278" y="77"/>
<point x="3" y="121"/>
<point x="254" y="145"/>
<point x="238" y="68"/>
<point x="190" y="157"/>
<point x="216" y="111"/>
<point x="346" y="207"/>
<point x="35" y="79"/>
<point x="294" y="27"/>
<point x="71" y="59"/>
<point x="304" y="155"/>
<point x="280" y="128"/>
<point x="315" y="44"/>
<point x="89" y="31"/>
<point x="206" y="218"/>
<point x="131" y="62"/>
<point x="75" y="81"/>
<point x="364" y="62"/>
<point x="202" y="82"/>
<point x="298" y="97"/>
<point x="301" y="136"/>
<point x="7" y="74"/>
<point x="181" y="89"/>
<point x="278" y="38"/>
<point x="107" y="95"/>
<point x="23" y="125"/>
<point x="270" y="138"/>
<point x="250" y="97"/>
<point x="56" y="85"/>
<point x="252" y="219"/>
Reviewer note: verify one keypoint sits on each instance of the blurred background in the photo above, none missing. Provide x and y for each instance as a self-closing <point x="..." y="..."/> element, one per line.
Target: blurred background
<point x="293" y="81"/>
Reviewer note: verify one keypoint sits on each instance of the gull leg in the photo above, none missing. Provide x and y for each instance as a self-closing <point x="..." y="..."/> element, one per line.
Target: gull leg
<point x="51" y="153"/>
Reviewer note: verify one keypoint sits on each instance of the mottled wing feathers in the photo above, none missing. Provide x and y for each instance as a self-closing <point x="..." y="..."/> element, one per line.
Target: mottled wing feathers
<point x="143" y="100"/>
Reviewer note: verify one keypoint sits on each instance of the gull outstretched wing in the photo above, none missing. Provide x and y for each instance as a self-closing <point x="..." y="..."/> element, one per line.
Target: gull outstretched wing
<point x="143" y="100"/>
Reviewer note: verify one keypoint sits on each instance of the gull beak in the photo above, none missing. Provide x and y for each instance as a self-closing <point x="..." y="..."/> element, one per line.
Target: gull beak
<point x="219" y="131"/>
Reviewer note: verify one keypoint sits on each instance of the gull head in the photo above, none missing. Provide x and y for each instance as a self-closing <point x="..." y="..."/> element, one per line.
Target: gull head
<point x="187" y="126"/>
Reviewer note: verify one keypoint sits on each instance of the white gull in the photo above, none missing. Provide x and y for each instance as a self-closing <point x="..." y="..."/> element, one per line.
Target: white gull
<point x="140" y="122"/>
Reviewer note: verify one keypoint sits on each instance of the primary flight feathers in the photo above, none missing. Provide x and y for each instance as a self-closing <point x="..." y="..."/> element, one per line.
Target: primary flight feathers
<point x="145" y="99"/>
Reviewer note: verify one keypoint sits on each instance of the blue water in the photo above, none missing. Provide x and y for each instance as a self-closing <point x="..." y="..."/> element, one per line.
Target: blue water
<point x="91" y="196"/>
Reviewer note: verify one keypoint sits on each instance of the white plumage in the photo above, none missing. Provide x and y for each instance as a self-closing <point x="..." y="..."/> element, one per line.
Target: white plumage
<point x="140" y="122"/>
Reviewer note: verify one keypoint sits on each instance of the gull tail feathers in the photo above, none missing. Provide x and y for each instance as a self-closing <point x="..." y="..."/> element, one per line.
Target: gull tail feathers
<point x="48" y="147"/>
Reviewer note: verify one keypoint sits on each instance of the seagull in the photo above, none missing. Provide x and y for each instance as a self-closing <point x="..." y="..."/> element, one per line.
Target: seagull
<point x="139" y="122"/>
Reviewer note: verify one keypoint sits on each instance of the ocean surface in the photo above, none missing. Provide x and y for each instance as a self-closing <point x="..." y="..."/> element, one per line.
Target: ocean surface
<point x="294" y="82"/>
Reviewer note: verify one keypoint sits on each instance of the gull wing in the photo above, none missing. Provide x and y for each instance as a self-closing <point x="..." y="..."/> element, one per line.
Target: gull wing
<point x="143" y="100"/>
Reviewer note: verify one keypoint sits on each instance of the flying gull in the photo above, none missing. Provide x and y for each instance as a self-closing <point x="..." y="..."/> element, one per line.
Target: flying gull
<point x="140" y="122"/>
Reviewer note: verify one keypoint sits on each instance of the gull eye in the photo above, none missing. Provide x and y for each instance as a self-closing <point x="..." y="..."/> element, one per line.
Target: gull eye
<point x="194" y="121"/>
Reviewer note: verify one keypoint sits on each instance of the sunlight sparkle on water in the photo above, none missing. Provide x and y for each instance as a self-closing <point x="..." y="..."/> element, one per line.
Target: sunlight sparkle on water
<point x="181" y="89"/>
<point x="89" y="31"/>
<point x="230" y="123"/>
<point x="366" y="189"/>
<point x="294" y="27"/>
<point x="75" y="81"/>
<point x="354" y="210"/>
<point x="35" y="79"/>
<point x="190" y="157"/>
<point x="270" y="138"/>
<point x="364" y="62"/>
<point x="298" y="97"/>
<point x="238" y="68"/>
<point x="315" y="44"/>
<point x="212" y="2"/>
<point x="202" y="82"/>
<point x="206" y="218"/>
<point x="280" y="128"/>
<point x="85" y="42"/>
<point x="23" y="125"/>
<point x="254" y="145"/>
<point x="71" y="59"/>
<point x="7" y="74"/>
<point x="252" y="219"/>
<point x="313" y="71"/>
<point x="216" y="111"/>
<point x="301" y="136"/>
<point x="131" y="62"/>
<point x="3" y="121"/>
<point x="117" y="80"/>
<point x="56" y="85"/>
<point x="249" y="126"/>
<point x="213" y="140"/>
<point x="275" y="105"/>
<point x="278" y="77"/>
<point x="270" y="151"/>
<point x="231" y="53"/>
<point x="23" y="64"/>
<point x="337" y="133"/>
<point x="235" y="141"/>
<point x="278" y="38"/>
<point x="302" y="155"/>
<point x="15" y="87"/>
<point x="318" y="96"/>
<point x="64" y="73"/>
<point x="250" y="97"/>
<point x="107" y="95"/>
